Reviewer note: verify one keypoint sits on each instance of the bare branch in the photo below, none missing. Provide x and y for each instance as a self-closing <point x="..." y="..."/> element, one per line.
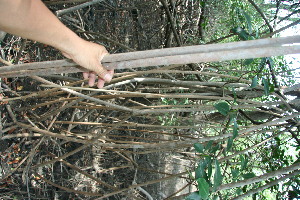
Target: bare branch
<point x="282" y="29"/>
<point x="264" y="177"/>
<point x="72" y="9"/>
<point x="270" y="184"/>
<point x="262" y="14"/>
<point x="177" y="55"/>
<point x="173" y="26"/>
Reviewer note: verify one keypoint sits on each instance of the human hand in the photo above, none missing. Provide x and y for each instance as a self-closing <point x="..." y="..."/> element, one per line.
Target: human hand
<point x="89" y="56"/>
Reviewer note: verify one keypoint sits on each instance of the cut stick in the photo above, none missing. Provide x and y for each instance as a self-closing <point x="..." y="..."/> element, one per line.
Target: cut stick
<point x="178" y="55"/>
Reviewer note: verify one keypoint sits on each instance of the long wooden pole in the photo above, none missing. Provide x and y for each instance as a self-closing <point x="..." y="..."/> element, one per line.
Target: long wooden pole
<point x="177" y="55"/>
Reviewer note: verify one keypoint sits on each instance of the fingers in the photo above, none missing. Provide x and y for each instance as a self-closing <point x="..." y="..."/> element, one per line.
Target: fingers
<point x="92" y="78"/>
<point x="100" y="83"/>
<point x="92" y="62"/>
<point x="86" y="75"/>
<point x="102" y="72"/>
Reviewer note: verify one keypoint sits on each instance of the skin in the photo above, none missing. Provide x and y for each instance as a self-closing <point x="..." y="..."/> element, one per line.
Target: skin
<point x="31" y="19"/>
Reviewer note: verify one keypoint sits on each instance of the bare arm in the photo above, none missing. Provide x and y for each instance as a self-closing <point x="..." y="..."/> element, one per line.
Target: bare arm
<point x="31" y="19"/>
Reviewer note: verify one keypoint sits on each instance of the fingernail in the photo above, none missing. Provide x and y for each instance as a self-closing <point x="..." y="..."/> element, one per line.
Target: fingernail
<point x="107" y="77"/>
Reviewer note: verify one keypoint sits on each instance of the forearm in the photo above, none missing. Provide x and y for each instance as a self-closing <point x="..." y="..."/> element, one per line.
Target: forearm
<point x="31" y="19"/>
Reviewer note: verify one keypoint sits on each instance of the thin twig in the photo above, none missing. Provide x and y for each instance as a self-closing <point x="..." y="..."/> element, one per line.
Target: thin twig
<point x="108" y="40"/>
<point x="173" y="25"/>
<point x="88" y="143"/>
<point x="268" y="185"/>
<point x="262" y="15"/>
<point x="67" y="189"/>
<point x="10" y="112"/>
<point x="72" y="9"/>
<point x="84" y="96"/>
<point x="264" y="177"/>
<point x="282" y="29"/>
<point x="87" y="175"/>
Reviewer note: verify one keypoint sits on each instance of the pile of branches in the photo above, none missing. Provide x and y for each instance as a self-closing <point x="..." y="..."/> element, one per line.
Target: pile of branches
<point x="133" y="139"/>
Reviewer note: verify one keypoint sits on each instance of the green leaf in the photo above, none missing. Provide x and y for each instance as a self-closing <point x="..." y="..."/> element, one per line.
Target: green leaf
<point x="234" y="95"/>
<point x="202" y="3"/>
<point x="229" y="143"/>
<point x="215" y="148"/>
<point x="239" y="191"/>
<point x="223" y="108"/>
<point x="193" y="196"/>
<point x="243" y="34"/>
<point x="160" y="118"/>
<point x="209" y="167"/>
<point x="262" y="64"/>
<point x="271" y="61"/>
<point x="248" y="175"/>
<point x="244" y="162"/>
<point x="235" y="173"/>
<point x="272" y="88"/>
<point x="266" y="86"/>
<point x="254" y="82"/>
<point x="199" y="147"/>
<point x="235" y="129"/>
<point x="248" y="20"/>
<point x="232" y="116"/>
<point x="248" y="61"/>
<point x="242" y="159"/>
<point x="218" y="176"/>
<point x="200" y="170"/>
<point x="203" y="187"/>
<point x="209" y="144"/>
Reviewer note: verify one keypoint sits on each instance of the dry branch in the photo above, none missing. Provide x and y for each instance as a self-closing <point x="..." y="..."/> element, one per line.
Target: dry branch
<point x="142" y="184"/>
<point x="67" y="189"/>
<point x="268" y="185"/>
<point x="282" y="29"/>
<point x="178" y="55"/>
<point x="49" y="133"/>
<point x="264" y="177"/>
<point x="173" y="25"/>
<point x="85" y="96"/>
<point x="72" y="9"/>
<point x="64" y="2"/>
<point x="84" y="146"/>
<point x="244" y="151"/>
<point x="88" y="175"/>
<point x="262" y="15"/>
